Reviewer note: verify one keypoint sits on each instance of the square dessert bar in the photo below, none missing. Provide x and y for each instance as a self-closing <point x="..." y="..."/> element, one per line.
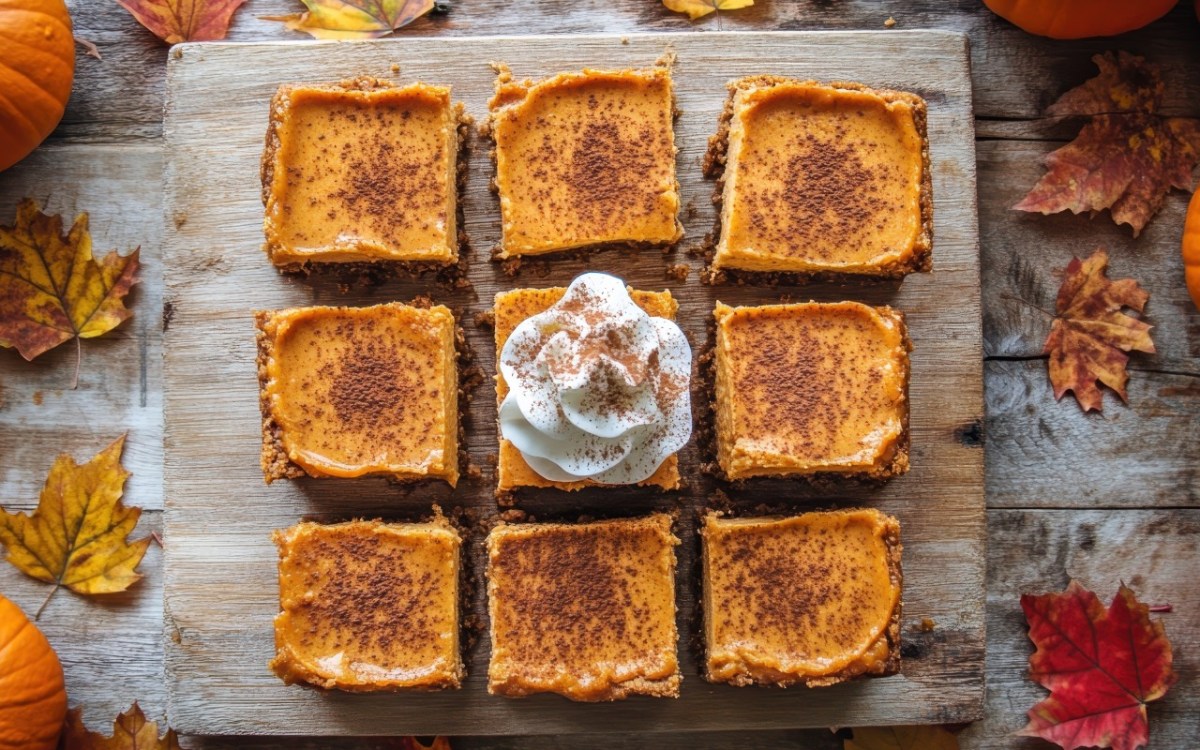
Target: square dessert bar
<point x="811" y="388"/>
<point x="585" y="159"/>
<point x="584" y="610"/>
<point x="367" y="605"/>
<point x="353" y="391"/>
<point x="811" y="599"/>
<point x="513" y="307"/>
<point x="362" y="171"/>
<point x="822" y="180"/>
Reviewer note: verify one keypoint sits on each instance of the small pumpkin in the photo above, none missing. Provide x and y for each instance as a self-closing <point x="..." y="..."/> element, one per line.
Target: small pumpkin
<point x="1077" y="19"/>
<point x="33" y="699"/>
<point x="1191" y="249"/>
<point x="37" y="67"/>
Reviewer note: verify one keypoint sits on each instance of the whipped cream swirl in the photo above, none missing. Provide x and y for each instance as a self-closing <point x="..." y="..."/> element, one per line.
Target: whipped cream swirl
<point x="598" y="389"/>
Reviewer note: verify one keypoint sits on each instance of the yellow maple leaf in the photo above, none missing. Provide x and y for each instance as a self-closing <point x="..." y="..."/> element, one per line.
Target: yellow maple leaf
<point x="78" y="535"/>
<point x="700" y="8"/>
<point x="51" y="288"/>
<point x="131" y="731"/>
<point x="354" y="19"/>
<point x="902" y="738"/>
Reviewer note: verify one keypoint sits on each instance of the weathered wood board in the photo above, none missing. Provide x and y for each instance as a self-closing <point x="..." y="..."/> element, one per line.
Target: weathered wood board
<point x="220" y="586"/>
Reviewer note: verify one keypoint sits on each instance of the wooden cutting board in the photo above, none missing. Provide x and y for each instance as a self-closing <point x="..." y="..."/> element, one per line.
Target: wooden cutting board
<point x="220" y="590"/>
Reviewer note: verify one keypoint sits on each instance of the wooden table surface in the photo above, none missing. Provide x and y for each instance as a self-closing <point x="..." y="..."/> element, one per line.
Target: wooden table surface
<point x="1099" y="498"/>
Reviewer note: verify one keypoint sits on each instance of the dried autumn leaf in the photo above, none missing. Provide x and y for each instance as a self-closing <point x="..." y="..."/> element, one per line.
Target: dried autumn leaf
<point x="1090" y="335"/>
<point x="175" y="21"/>
<point x="902" y="738"/>
<point x="131" y="731"/>
<point x="354" y="19"/>
<point x="1127" y="157"/>
<point x="51" y="288"/>
<point x="700" y="8"/>
<point x="1101" y="667"/>
<point x="77" y="536"/>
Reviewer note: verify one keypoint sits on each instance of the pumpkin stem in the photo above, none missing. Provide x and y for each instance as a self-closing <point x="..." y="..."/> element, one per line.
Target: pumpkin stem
<point x="45" y="602"/>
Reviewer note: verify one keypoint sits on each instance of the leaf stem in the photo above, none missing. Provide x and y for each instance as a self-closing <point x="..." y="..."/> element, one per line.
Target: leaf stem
<point x="78" y="361"/>
<point x="1043" y="311"/>
<point x="45" y="601"/>
<point x="1164" y="608"/>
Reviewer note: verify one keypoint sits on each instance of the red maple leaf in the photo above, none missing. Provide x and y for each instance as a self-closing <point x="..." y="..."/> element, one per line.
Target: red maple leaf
<point x="1101" y="667"/>
<point x="1127" y="157"/>
<point x="1090" y="333"/>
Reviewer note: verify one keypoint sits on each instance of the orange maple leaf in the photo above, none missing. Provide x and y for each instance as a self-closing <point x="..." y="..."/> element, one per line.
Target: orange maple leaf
<point x="131" y="731"/>
<point x="77" y="536"/>
<point x="1101" y="667"/>
<point x="175" y="21"/>
<point x="1090" y="333"/>
<point x="1127" y="157"/>
<point x="700" y="8"/>
<point x="51" y="288"/>
<point x="354" y="19"/>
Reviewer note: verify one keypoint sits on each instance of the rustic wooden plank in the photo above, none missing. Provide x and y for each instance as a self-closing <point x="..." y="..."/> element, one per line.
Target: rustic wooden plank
<point x="120" y="383"/>
<point x="1154" y="552"/>
<point x="120" y="96"/>
<point x="1024" y="254"/>
<point x="219" y="511"/>
<point x="1043" y="453"/>
<point x="110" y="646"/>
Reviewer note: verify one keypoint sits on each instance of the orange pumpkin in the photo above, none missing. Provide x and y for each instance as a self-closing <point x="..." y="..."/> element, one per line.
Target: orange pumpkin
<point x="37" y="66"/>
<point x="1191" y="248"/>
<point x="1076" y="19"/>
<point x="33" y="700"/>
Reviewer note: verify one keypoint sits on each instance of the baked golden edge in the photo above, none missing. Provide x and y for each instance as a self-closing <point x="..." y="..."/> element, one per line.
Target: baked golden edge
<point x="899" y="462"/>
<point x="504" y="82"/>
<point x="667" y="687"/>
<point x="275" y="461"/>
<point x="889" y="666"/>
<point x="921" y="259"/>
<point x="292" y="671"/>
<point x="383" y="268"/>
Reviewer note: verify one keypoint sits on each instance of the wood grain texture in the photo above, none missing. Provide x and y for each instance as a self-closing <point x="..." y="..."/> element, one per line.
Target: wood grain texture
<point x="120" y="380"/>
<point x="220" y="589"/>
<point x="120" y="95"/>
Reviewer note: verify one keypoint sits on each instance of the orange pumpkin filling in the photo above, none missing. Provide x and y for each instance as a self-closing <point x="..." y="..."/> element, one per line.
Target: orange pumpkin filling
<point x="811" y="388"/>
<point x="585" y="159"/>
<point x="368" y="606"/>
<point x="361" y="171"/>
<point x="348" y="392"/>
<point x="811" y="599"/>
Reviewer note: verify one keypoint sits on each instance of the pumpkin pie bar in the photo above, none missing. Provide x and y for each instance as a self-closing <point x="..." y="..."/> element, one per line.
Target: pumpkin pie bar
<point x="811" y="389"/>
<point x="362" y="171"/>
<point x="349" y="392"/>
<point x="812" y="599"/>
<point x="584" y="610"/>
<point x="368" y="606"/>
<point x="821" y="180"/>
<point x="585" y="159"/>
<point x="511" y="308"/>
